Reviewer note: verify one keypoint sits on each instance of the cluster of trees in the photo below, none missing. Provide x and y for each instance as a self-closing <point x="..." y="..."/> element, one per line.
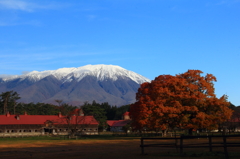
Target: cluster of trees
<point x="185" y="101"/>
<point x="101" y="112"/>
<point x="10" y="105"/>
<point x="8" y="101"/>
<point x="110" y="112"/>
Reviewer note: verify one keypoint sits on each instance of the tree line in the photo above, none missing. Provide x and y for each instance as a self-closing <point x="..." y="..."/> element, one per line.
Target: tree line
<point x="101" y="112"/>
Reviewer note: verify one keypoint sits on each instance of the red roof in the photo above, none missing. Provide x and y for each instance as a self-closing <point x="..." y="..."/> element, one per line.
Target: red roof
<point x="121" y="123"/>
<point x="76" y="112"/>
<point x="111" y="122"/>
<point x="41" y="119"/>
<point x="77" y="120"/>
<point x="117" y="123"/>
<point x="126" y="113"/>
<point x="236" y="119"/>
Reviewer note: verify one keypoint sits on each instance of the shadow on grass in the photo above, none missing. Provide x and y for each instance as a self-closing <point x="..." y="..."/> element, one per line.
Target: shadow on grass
<point x="65" y="137"/>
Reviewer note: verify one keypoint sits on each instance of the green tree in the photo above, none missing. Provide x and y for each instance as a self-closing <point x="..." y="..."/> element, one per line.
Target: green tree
<point x="65" y="108"/>
<point x="8" y="100"/>
<point x="95" y="110"/>
<point x="110" y="110"/>
<point x="42" y="109"/>
<point x="120" y="111"/>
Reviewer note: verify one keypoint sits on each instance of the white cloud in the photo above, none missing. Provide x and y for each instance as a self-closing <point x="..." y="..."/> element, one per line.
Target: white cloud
<point x="17" y="5"/>
<point x="28" y="6"/>
<point x="6" y="76"/>
<point x="25" y="72"/>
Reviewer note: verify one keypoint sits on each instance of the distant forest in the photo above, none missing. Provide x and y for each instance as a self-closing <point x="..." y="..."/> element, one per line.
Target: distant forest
<point x="102" y="112"/>
<point x="8" y="103"/>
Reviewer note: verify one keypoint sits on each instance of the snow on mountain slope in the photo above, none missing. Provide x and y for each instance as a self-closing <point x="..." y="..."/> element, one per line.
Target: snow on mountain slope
<point x="102" y="72"/>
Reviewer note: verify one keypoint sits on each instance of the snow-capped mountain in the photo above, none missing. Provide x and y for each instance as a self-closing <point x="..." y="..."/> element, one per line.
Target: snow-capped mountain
<point x="102" y="83"/>
<point x="102" y="72"/>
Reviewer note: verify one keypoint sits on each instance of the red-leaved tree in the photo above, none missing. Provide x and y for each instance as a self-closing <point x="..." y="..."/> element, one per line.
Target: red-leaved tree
<point x="185" y="101"/>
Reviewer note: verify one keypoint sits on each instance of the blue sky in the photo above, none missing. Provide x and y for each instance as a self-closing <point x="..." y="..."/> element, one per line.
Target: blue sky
<point x="149" y="37"/>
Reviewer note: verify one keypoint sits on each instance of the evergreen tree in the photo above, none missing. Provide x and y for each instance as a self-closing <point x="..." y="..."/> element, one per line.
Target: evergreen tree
<point x="95" y="110"/>
<point x="8" y="101"/>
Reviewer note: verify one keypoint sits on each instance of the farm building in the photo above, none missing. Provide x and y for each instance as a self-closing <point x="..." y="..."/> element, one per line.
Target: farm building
<point x="118" y="125"/>
<point x="233" y="124"/>
<point x="35" y="125"/>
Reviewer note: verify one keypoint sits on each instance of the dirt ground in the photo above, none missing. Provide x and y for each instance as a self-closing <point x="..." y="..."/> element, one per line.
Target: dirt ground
<point x="98" y="149"/>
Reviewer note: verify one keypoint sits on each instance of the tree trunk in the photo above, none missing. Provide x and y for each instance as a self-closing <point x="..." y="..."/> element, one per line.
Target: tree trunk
<point x="5" y="103"/>
<point x="190" y="131"/>
<point x="164" y="132"/>
<point x="219" y="129"/>
<point x="14" y="108"/>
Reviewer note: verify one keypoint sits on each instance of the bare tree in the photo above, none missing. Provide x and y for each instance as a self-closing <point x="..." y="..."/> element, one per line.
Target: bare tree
<point x="76" y="123"/>
<point x="59" y="101"/>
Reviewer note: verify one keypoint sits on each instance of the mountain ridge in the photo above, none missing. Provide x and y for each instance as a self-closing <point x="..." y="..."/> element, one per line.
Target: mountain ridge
<point x="101" y="71"/>
<point x="102" y="83"/>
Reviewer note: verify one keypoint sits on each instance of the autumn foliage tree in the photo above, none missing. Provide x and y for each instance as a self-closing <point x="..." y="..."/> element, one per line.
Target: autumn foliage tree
<point x="185" y="101"/>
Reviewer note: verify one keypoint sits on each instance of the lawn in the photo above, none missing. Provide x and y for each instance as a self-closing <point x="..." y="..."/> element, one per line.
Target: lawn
<point x="99" y="147"/>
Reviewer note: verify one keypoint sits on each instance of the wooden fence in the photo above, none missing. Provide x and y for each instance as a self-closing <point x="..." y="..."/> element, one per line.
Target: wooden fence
<point x="178" y="143"/>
